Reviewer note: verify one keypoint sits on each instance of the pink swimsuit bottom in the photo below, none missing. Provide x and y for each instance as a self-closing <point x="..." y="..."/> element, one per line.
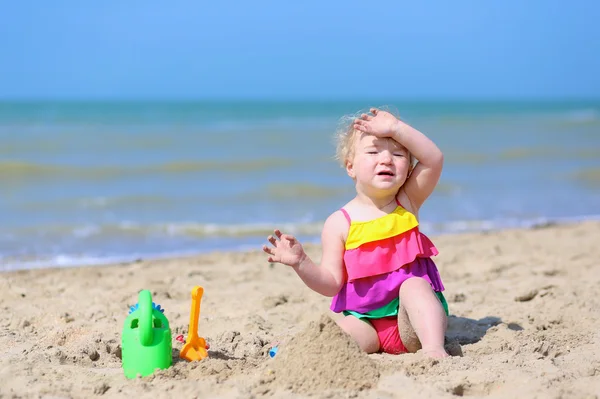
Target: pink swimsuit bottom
<point x="388" y="334"/>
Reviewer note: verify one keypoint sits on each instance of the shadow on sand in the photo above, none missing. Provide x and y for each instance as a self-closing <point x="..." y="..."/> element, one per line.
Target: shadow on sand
<point x="464" y="331"/>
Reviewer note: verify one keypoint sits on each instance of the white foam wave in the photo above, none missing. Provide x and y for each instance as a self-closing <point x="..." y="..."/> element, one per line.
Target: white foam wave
<point x="235" y="240"/>
<point x="585" y="115"/>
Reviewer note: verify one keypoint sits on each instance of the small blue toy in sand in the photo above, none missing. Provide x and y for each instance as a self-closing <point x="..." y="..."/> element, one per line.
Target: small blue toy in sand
<point x="273" y="351"/>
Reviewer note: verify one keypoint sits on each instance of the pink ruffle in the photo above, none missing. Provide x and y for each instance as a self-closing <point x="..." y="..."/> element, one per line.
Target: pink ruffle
<point x="387" y="255"/>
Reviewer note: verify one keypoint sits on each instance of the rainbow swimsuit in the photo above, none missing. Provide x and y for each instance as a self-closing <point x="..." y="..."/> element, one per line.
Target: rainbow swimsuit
<point x="380" y="255"/>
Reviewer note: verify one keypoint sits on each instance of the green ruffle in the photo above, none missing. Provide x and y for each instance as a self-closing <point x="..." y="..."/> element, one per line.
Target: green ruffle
<point x="391" y="309"/>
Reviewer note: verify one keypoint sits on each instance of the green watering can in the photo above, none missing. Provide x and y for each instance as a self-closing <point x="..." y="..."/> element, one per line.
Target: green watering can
<point x="146" y="339"/>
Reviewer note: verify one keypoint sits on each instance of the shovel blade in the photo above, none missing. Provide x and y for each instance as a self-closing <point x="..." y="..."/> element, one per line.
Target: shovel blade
<point x="194" y="350"/>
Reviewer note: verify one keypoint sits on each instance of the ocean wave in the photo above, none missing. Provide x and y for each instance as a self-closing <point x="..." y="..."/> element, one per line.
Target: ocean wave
<point x="195" y="230"/>
<point x="64" y="142"/>
<point x="472" y="226"/>
<point x="10" y="263"/>
<point x="520" y="153"/>
<point x="587" y="177"/>
<point x="100" y="203"/>
<point x="306" y="191"/>
<point x="458" y="158"/>
<point x="549" y="152"/>
<point x="132" y="229"/>
<point x="446" y="189"/>
<point x="258" y="194"/>
<point x="20" y="170"/>
<point x="55" y="257"/>
<point x="581" y="116"/>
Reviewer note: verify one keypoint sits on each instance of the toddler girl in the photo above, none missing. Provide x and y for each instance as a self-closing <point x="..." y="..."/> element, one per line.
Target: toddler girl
<point x="376" y="264"/>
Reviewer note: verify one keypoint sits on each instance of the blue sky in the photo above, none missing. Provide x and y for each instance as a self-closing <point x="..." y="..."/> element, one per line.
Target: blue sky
<point x="132" y="49"/>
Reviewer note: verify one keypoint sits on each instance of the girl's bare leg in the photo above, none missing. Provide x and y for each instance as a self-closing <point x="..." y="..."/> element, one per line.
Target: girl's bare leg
<point x="422" y="321"/>
<point x="363" y="333"/>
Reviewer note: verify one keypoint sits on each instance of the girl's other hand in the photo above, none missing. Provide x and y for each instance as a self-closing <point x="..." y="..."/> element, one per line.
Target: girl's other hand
<point x="286" y="249"/>
<point x="378" y="123"/>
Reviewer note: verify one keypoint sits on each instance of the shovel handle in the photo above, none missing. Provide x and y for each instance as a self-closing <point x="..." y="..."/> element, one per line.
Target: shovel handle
<point x="197" y="293"/>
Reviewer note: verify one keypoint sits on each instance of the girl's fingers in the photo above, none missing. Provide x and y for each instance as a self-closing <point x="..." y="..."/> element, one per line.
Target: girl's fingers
<point x="361" y="125"/>
<point x="268" y="250"/>
<point x="272" y="240"/>
<point x="278" y="234"/>
<point x="291" y="239"/>
<point x="374" y="111"/>
<point x="360" y="128"/>
<point x="366" y="117"/>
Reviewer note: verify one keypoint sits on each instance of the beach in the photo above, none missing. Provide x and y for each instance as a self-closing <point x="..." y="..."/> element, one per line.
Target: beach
<point x="148" y="154"/>
<point x="523" y="323"/>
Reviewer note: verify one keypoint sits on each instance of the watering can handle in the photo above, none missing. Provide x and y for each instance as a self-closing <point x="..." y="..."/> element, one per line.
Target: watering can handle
<point x="145" y="320"/>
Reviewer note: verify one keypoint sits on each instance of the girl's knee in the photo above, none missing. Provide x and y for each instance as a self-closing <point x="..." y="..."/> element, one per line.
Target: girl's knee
<point x="415" y="283"/>
<point x="344" y="324"/>
<point x="362" y="332"/>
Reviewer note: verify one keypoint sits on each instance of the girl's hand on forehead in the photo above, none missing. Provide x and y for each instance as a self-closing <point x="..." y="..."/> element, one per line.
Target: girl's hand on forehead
<point x="378" y="123"/>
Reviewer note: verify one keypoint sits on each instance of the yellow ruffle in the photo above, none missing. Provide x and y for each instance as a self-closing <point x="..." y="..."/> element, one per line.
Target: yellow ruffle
<point x="393" y="224"/>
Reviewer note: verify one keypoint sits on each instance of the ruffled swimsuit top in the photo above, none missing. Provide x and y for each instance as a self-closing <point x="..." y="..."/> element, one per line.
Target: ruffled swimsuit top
<point x="380" y="255"/>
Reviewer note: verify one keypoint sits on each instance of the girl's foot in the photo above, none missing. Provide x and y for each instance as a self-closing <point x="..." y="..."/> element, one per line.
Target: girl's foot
<point x="435" y="353"/>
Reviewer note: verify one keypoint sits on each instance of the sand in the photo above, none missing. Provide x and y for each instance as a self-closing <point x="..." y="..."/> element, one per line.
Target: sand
<point x="525" y="322"/>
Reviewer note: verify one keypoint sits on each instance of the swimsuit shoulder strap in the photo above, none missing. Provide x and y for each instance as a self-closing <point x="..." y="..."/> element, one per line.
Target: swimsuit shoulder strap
<point x="346" y="215"/>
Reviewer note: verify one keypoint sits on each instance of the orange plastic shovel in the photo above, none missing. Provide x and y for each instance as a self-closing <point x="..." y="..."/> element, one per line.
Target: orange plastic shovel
<point x="195" y="346"/>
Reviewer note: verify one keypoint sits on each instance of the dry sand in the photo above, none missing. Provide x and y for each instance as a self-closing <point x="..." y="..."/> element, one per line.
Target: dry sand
<point x="524" y="323"/>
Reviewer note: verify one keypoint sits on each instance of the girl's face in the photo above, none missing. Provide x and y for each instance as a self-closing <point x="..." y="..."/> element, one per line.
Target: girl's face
<point x="379" y="165"/>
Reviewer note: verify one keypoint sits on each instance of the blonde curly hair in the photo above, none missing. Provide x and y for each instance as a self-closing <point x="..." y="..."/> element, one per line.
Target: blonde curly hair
<point x="345" y="137"/>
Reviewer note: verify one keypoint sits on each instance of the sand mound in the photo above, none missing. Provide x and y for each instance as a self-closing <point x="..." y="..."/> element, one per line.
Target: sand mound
<point x="323" y="357"/>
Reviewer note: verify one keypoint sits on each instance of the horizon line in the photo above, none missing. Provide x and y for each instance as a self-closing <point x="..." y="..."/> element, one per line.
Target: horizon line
<point x="292" y="99"/>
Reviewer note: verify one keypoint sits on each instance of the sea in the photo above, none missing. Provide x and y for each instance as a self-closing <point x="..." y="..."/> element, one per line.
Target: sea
<point x="90" y="182"/>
